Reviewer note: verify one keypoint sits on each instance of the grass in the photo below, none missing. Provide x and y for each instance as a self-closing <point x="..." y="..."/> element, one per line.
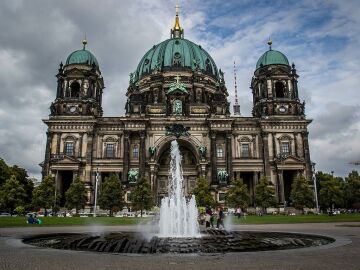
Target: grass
<point x="71" y="221"/>
<point x="282" y="219"/>
<point x="268" y="219"/>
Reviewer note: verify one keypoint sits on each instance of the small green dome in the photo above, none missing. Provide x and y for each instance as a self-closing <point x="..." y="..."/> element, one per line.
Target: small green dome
<point x="272" y="57"/>
<point x="82" y="57"/>
<point x="176" y="54"/>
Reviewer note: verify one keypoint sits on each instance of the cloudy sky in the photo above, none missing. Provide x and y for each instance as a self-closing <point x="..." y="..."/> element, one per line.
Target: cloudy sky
<point x="321" y="37"/>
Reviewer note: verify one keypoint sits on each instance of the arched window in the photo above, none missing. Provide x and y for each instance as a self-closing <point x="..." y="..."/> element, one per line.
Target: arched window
<point x="279" y="90"/>
<point x="69" y="148"/>
<point x="75" y="89"/>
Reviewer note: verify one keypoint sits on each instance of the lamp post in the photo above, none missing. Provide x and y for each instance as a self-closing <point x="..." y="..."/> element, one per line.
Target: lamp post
<point x="96" y="189"/>
<point x="315" y="188"/>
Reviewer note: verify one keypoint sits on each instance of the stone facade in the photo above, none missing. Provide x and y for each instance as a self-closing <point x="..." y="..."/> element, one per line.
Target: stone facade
<point x="162" y="101"/>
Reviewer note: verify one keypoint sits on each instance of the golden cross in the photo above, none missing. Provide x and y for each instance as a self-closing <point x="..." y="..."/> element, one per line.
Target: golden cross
<point x="177" y="8"/>
<point x="177" y="78"/>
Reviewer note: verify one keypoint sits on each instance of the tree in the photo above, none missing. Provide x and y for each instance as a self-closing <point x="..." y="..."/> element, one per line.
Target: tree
<point x="44" y="194"/>
<point x="331" y="191"/>
<point x="12" y="194"/>
<point x="265" y="194"/>
<point x="21" y="176"/>
<point x="5" y="172"/>
<point x="141" y="196"/>
<point x="301" y="193"/>
<point x="202" y="193"/>
<point x="75" y="196"/>
<point x="111" y="194"/>
<point x="352" y="189"/>
<point x="238" y="195"/>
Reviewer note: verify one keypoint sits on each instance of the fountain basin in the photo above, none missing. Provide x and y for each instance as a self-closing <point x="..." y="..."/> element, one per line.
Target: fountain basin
<point x="212" y="241"/>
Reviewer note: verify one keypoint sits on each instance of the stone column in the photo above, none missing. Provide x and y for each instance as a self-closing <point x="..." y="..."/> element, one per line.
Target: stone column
<point x="281" y="194"/>
<point x="46" y="168"/>
<point x="119" y="144"/>
<point x="89" y="147"/>
<point x="58" y="141"/>
<point x="229" y="156"/>
<point x="308" y="173"/>
<point x="142" y="154"/>
<point x="265" y="154"/>
<point x="126" y="154"/>
<point x="213" y="158"/>
<point x="80" y="145"/>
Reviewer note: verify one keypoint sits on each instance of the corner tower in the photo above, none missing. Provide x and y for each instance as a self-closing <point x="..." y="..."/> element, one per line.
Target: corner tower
<point x="274" y="87"/>
<point x="79" y="86"/>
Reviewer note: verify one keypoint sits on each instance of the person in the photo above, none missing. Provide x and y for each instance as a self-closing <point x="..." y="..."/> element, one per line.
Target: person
<point x="30" y="219"/>
<point x="208" y="215"/>
<point x="212" y="217"/>
<point x="220" y="221"/>
<point x="238" y="212"/>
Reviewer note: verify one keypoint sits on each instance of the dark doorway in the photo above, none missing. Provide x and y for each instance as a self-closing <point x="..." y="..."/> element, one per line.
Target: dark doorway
<point x="65" y="178"/>
<point x="288" y="177"/>
<point x="247" y="178"/>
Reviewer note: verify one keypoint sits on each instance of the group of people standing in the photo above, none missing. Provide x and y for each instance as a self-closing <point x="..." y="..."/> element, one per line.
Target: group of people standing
<point x="212" y="216"/>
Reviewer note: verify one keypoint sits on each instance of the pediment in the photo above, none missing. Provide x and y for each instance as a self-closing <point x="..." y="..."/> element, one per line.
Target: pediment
<point x="64" y="159"/>
<point x="289" y="159"/>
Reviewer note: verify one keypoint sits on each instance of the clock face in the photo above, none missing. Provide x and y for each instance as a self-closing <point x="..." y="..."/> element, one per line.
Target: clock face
<point x="72" y="109"/>
<point x="282" y="109"/>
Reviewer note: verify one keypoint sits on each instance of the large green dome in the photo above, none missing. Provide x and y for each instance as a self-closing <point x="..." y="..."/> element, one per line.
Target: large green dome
<point x="272" y="57"/>
<point x="175" y="54"/>
<point x="82" y="57"/>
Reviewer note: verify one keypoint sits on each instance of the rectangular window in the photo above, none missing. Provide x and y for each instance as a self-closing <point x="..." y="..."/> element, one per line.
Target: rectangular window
<point x="69" y="148"/>
<point x="110" y="150"/>
<point x="245" y="150"/>
<point x="221" y="197"/>
<point x="285" y="148"/>
<point x="219" y="152"/>
<point x="136" y="151"/>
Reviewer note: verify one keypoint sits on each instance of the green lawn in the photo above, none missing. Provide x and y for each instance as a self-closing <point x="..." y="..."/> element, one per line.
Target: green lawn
<point x="268" y="219"/>
<point x="70" y="221"/>
<point x="280" y="219"/>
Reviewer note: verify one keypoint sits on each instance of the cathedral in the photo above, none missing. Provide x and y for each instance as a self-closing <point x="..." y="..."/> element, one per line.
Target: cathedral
<point x="177" y="92"/>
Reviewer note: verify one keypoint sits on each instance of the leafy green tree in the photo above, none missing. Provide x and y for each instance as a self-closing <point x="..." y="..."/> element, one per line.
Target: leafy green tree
<point x="20" y="174"/>
<point x="12" y="194"/>
<point x="111" y="194"/>
<point x="75" y="196"/>
<point x="5" y="172"/>
<point x="23" y="178"/>
<point x="44" y="194"/>
<point x="331" y="190"/>
<point x="352" y="189"/>
<point x="301" y="193"/>
<point x="265" y="194"/>
<point x="238" y="195"/>
<point x="141" y="196"/>
<point x="202" y="193"/>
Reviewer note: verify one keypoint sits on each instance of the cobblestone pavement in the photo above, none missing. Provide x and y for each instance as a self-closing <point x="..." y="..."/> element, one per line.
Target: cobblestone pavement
<point x="343" y="254"/>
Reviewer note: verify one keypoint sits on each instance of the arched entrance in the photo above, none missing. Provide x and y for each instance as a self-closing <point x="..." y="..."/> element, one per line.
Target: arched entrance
<point x="190" y="166"/>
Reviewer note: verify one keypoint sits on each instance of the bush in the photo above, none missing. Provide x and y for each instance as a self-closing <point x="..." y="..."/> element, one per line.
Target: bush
<point x="20" y="210"/>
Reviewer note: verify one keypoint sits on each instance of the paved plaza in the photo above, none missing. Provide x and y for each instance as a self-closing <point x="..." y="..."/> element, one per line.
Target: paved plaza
<point x="342" y="254"/>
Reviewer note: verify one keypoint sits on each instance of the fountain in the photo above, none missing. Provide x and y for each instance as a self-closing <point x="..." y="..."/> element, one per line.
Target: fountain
<point x="178" y="217"/>
<point x="178" y="231"/>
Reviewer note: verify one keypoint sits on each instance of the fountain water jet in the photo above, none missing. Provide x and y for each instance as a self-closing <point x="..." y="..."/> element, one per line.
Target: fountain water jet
<point x="178" y="218"/>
